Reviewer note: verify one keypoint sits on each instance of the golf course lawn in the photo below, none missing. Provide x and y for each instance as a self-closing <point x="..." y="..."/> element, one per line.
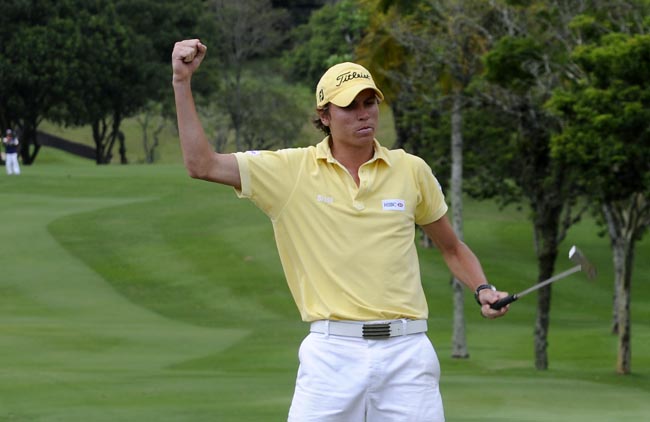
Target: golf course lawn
<point x="134" y="293"/>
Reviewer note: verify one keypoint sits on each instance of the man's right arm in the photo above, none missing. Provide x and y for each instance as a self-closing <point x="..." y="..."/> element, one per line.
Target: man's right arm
<point x="201" y="161"/>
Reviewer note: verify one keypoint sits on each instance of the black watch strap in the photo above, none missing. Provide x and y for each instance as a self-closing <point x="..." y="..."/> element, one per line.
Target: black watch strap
<point x="483" y="287"/>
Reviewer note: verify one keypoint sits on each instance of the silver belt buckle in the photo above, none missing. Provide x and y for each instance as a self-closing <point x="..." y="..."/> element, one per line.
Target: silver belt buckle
<point x="376" y="331"/>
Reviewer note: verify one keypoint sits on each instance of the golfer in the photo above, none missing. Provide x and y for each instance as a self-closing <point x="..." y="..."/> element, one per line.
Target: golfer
<point x="11" y="156"/>
<point x="344" y="213"/>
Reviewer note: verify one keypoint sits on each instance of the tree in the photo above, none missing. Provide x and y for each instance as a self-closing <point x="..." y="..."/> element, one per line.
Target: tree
<point x="245" y="30"/>
<point x="275" y="114"/>
<point x="34" y="66"/>
<point x="441" y="44"/>
<point x="464" y="42"/>
<point x="79" y="62"/>
<point x="151" y="115"/>
<point x="300" y="10"/>
<point x="606" y="135"/>
<point x="395" y="71"/>
<point x="117" y="80"/>
<point x="461" y="40"/>
<point x="112" y="77"/>
<point x="163" y="22"/>
<point x="522" y="69"/>
<point x="331" y="35"/>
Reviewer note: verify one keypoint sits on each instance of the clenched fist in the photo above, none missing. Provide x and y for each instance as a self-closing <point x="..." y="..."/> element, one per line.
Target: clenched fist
<point x="186" y="58"/>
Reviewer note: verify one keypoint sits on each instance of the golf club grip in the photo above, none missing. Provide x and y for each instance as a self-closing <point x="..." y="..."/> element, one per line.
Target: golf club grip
<point x="503" y="302"/>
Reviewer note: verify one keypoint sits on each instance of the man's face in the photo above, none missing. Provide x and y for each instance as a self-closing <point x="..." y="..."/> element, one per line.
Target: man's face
<point x="355" y="123"/>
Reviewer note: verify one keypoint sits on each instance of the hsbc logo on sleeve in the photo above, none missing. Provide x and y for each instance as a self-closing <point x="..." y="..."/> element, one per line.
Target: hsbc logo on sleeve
<point x="393" y="205"/>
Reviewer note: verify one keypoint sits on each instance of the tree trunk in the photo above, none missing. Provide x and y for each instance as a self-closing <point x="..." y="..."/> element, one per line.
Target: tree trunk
<point x="123" y="157"/>
<point x="625" y="222"/>
<point x="99" y="127"/>
<point x="114" y="136"/>
<point x="459" y="342"/>
<point x="623" y="288"/>
<point x="105" y="140"/>
<point x="29" y="146"/>
<point x="542" y="323"/>
<point x="546" y="227"/>
<point x="615" y="308"/>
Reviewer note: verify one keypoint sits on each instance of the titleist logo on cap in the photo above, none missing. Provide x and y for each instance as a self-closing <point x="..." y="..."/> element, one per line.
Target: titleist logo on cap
<point x="348" y="76"/>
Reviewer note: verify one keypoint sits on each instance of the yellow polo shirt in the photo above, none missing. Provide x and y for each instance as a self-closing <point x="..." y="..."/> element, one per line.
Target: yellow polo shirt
<point x="348" y="252"/>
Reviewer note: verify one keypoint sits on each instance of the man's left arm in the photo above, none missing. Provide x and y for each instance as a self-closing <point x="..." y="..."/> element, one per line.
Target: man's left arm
<point x="464" y="264"/>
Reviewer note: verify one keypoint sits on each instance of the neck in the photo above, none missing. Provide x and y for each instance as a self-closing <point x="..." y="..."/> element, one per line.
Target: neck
<point x="352" y="156"/>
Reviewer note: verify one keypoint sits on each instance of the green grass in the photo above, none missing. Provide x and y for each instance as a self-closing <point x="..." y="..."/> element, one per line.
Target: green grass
<point x="133" y="293"/>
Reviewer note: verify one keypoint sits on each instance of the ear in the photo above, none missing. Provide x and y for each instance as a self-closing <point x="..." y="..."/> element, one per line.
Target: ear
<point x="324" y="117"/>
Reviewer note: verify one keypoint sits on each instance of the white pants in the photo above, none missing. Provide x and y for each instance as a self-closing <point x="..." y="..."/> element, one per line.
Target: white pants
<point x="11" y="162"/>
<point x="349" y="379"/>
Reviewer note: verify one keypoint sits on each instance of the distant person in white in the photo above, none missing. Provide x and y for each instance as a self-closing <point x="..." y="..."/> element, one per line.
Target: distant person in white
<point x="11" y="149"/>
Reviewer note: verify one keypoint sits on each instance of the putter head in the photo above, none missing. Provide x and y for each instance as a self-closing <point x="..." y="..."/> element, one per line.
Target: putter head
<point x="578" y="257"/>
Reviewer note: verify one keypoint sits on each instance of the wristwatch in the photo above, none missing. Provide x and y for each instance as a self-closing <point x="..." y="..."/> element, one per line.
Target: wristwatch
<point x="483" y="287"/>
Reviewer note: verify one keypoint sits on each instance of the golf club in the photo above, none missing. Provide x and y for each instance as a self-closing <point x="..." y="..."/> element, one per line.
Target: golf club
<point x="575" y="255"/>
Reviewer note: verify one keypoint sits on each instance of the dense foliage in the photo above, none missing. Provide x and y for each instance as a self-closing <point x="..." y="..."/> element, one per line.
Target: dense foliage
<point x="85" y="63"/>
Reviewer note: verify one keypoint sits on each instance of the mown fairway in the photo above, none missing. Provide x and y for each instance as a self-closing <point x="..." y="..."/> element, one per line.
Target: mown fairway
<point x="133" y="293"/>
